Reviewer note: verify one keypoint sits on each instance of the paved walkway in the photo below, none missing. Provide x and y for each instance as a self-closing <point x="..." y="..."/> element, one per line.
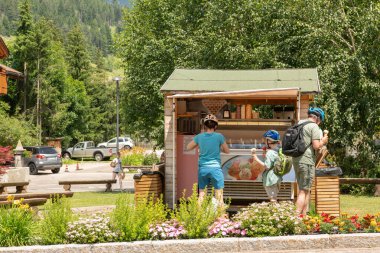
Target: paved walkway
<point x="46" y="181"/>
<point x="358" y="250"/>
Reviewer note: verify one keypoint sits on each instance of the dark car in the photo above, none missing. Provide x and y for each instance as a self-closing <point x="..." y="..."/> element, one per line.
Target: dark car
<point x="43" y="158"/>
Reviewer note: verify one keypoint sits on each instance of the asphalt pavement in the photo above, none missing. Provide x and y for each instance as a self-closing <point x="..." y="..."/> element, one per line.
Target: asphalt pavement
<point x="46" y="181"/>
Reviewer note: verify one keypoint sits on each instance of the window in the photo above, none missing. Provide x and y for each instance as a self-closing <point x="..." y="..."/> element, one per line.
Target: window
<point x="47" y="150"/>
<point x="79" y="145"/>
<point x="112" y="141"/>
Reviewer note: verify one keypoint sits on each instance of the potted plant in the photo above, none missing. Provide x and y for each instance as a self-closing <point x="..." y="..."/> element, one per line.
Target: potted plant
<point x="233" y="111"/>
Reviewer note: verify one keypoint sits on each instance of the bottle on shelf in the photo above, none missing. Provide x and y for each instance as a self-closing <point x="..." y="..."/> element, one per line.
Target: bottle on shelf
<point x="242" y="112"/>
<point x="226" y="112"/>
<point x="238" y="111"/>
<point x="248" y="111"/>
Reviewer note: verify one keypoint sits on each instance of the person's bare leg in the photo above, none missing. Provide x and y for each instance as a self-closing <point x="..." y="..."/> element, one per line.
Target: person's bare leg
<point x="219" y="197"/>
<point x="300" y="204"/>
<point x="307" y="201"/>
<point x="120" y="181"/>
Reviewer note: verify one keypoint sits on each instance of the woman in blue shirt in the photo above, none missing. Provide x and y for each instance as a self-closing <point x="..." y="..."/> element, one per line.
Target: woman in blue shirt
<point x="210" y="145"/>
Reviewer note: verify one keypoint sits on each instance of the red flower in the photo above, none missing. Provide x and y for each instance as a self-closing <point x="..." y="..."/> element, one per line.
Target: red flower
<point x="368" y="217"/>
<point x="324" y="214"/>
<point x="327" y="220"/>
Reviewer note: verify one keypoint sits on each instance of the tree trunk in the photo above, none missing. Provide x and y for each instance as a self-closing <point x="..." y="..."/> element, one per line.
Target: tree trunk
<point x="38" y="101"/>
<point x="25" y="87"/>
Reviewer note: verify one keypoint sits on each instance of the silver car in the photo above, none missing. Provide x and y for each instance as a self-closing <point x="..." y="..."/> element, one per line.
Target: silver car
<point x="43" y="158"/>
<point x="124" y="143"/>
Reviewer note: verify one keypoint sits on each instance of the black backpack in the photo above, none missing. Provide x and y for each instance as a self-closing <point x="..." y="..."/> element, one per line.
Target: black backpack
<point x="293" y="144"/>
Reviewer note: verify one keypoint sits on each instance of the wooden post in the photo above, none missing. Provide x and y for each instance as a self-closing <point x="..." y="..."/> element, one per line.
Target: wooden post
<point x="108" y="187"/>
<point x="67" y="187"/>
<point x="21" y="189"/>
<point x="377" y="190"/>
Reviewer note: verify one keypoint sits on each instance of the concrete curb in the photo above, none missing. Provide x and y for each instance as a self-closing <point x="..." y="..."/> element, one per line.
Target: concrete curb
<point x="218" y="245"/>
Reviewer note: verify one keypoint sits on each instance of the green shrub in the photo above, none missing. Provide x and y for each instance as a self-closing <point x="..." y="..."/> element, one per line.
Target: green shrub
<point x="133" y="159"/>
<point x="326" y="228"/>
<point x="197" y="217"/>
<point x="270" y="219"/>
<point x="132" y="221"/>
<point x="150" y="159"/>
<point x="16" y="223"/>
<point x="53" y="225"/>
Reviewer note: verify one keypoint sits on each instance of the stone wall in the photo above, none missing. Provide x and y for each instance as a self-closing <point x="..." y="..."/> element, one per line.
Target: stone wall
<point x="304" y="243"/>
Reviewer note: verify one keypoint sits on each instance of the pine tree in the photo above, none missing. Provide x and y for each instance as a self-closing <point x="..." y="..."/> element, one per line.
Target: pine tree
<point x="77" y="55"/>
<point x="22" y="48"/>
<point x="42" y="41"/>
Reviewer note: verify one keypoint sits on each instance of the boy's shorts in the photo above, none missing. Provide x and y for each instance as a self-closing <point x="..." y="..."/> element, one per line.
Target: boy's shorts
<point x="210" y="175"/>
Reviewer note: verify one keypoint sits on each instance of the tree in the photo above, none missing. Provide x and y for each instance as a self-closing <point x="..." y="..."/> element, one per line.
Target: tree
<point x="13" y="129"/>
<point x="77" y="55"/>
<point x="340" y="38"/>
<point x="22" y="48"/>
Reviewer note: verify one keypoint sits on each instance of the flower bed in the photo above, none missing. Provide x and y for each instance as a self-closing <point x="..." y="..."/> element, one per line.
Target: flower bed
<point x="149" y="220"/>
<point x="328" y="224"/>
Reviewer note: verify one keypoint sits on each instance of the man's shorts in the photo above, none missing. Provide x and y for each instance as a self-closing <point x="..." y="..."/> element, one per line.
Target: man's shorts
<point x="210" y="175"/>
<point x="305" y="174"/>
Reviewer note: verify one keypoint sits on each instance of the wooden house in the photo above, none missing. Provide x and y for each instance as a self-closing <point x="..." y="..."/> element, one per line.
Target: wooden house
<point x="6" y="72"/>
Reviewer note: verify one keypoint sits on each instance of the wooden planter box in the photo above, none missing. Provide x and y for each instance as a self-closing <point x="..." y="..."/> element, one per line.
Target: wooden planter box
<point x="325" y="195"/>
<point x="148" y="185"/>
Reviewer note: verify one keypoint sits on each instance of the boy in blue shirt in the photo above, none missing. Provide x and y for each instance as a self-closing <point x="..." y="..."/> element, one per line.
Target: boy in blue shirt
<point x="210" y="145"/>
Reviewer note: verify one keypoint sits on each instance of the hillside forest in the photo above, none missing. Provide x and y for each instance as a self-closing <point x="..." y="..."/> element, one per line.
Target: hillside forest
<point x="65" y="48"/>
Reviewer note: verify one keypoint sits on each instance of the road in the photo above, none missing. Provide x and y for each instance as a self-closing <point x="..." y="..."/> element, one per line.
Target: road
<point x="47" y="182"/>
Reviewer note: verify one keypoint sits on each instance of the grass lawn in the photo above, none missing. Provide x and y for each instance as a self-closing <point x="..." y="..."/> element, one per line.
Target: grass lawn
<point x="360" y="205"/>
<point x="83" y="199"/>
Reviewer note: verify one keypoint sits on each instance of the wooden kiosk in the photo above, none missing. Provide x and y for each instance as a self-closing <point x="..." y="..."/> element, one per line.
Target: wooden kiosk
<point x="191" y="94"/>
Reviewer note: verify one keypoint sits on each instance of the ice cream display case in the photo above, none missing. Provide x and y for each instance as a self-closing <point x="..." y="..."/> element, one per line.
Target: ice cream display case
<point x="239" y="165"/>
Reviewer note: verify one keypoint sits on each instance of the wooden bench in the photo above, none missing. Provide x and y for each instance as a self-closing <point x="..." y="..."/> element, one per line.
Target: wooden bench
<point x="375" y="181"/>
<point x="248" y="190"/>
<point x="67" y="183"/>
<point x="30" y="202"/>
<point x="37" y="195"/>
<point x="20" y="186"/>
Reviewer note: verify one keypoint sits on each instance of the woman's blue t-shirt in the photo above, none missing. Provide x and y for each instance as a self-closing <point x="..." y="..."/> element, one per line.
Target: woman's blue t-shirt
<point x="209" y="149"/>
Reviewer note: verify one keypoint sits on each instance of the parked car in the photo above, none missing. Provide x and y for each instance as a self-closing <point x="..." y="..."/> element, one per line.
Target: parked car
<point x="87" y="149"/>
<point x="43" y="158"/>
<point x="124" y="142"/>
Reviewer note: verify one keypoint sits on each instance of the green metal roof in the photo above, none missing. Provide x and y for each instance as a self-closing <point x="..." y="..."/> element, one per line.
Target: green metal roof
<point x="234" y="80"/>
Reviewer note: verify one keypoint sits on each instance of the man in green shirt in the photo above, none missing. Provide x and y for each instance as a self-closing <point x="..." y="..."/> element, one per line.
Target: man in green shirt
<point x="304" y="165"/>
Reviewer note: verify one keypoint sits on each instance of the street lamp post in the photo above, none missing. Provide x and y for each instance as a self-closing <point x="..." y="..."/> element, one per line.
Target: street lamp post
<point x="117" y="79"/>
